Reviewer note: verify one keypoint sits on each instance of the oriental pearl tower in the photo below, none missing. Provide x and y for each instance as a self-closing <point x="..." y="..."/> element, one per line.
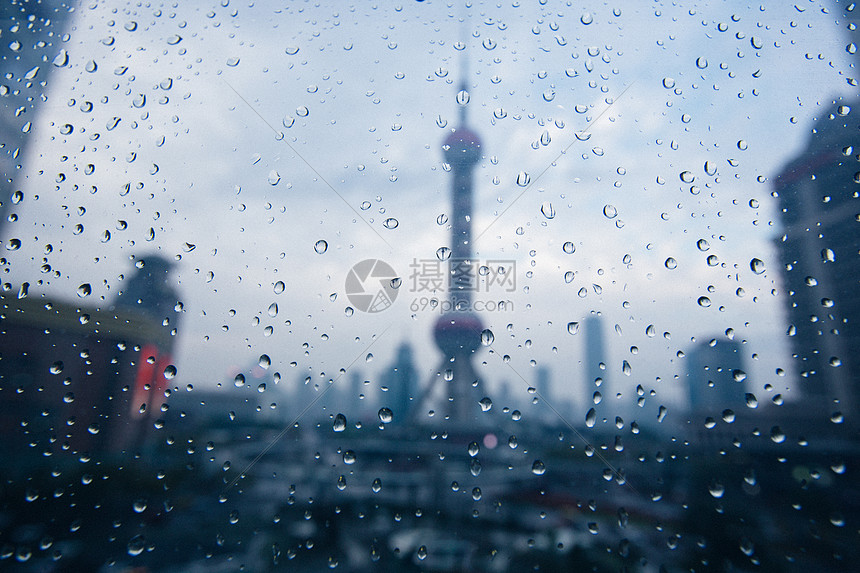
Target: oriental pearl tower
<point x="458" y="332"/>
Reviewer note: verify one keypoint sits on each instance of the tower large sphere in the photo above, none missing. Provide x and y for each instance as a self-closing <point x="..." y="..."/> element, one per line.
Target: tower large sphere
<point x="458" y="333"/>
<point x="462" y="147"/>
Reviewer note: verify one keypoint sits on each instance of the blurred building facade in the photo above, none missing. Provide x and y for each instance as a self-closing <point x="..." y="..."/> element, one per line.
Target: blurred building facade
<point x="820" y="256"/>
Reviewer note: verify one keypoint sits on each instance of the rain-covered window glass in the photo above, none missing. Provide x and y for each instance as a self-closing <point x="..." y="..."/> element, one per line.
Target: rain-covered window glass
<point x="429" y="286"/>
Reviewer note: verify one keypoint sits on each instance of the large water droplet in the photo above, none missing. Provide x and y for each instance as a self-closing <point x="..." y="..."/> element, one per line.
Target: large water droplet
<point x="339" y="424"/>
<point x="569" y="248"/>
<point x="572" y="327"/>
<point x="279" y="287"/>
<point x="547" y="210"/>
<point x="85" y="290"/>
<point x="610" y="212"/>
<point x="349" y="457"/>
<point x="523" y="179"/>
<point x="385" y="415"/>
<point x="538" y="468"/>
<point x="757" y="266"/>
<point x="487" y="337"/>
<point x="486" y="404"/>
<point x="590" y="418"/>
<point x="320" y="246"/>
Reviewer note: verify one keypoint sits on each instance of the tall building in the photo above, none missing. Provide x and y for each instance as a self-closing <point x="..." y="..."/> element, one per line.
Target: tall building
<point x="33" y="32"/>
<point x="400" y="382"/>
<point x="715" y="376"/>
<point x="820" y="258"/>
<point x="596" y="358"/>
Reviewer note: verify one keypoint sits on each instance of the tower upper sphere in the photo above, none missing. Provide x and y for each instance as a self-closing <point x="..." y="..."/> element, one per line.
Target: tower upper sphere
<point x="462" y="147"/>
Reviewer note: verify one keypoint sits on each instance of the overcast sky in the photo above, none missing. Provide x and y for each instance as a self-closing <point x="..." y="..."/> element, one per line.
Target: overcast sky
<point x="248" y="133"/>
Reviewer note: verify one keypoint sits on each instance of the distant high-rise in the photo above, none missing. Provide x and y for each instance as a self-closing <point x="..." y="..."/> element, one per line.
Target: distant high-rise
<point x="715" y="376"/>
<point x="820" y="258"/>
<point x="400" y="382"/>
<point x="595" y="356"/>
<point x="33" y="32"/>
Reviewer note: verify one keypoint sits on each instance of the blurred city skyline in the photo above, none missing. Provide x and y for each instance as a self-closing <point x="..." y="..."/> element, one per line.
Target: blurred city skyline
<point x="646" y="148"/>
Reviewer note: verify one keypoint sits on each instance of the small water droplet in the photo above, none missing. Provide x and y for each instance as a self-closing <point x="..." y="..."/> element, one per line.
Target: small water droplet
<point x="349" y="457"/>
<point x="279" y="287"/>
<point x="487" y="337"/>
<point x="538" y="468"/>
<point x="443" y="253"/>
<point x="473" y="449"/>
<point x="610" y="212"/>
<point x="320" y="247"/>
<point x="671" y="263"/>
<point x="569" y="248"/>
<point x="572" y="327"/>
<point x="391" y="223"/>
<point x="704" y="301"/>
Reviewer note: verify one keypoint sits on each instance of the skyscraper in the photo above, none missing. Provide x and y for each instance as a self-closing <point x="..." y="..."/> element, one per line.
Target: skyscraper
<point x="33" y="32"/>
<point x="715" y="376"/>
<point x="820" y="257"/>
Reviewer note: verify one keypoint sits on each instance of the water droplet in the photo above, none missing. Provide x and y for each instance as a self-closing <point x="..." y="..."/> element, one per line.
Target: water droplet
<point x="84" y="290"/>
<point x="56" y="367"/>
<point x="385" y="415"/>
<point x="512" y="442"/>
<point x="391" y="223"/>
<point x="292" y="50"/>
<point x="170" y="372"/>
<point x="349" y="457"/>
<point x="136" y="545"/>
<point x="302" y="111"/>
<point x="463" y="97"/>
<point x="757" y="266"/>
<point x="516" y="415"/>
<point x="421" y="553"/>
<point x="139" y="505"/>
<point x="739" y="375"/>
<point x="668" y="83"/>
<point x="716" y="489"/>
<point x="547" y="210"/>
<point x="569" y="248"/>
<point x="486" y="404"/>
<point x="751" y="400"/>
<point x="523" y="179"/>
<point x="777" y="436"/>
<point x="473" y="449"/>
<point x="671" y="263"/>
<point x="704" y="301"/>
<point x="569" y="276"/>
<point x="443" y="253"/>
<point x="339" y="424"/>
<point x="538" y="468"/>
<point x="586" y="19"/>
<point x="701" y="63"/>
<point x="487" y="337"/>
<point x="610" y="212"/>
<point x="233" y="62"/>
<point x="661" y="413"/>
<point x="687" y="177"/>
<point x="590" y="418"/>
<point x="828" y="256"/>
<point x="475" y="467"/>
<point x="703" y="245"/>
<point x="320" y="246"/>
<point x="442" y="219"/>
<point x="61" y="59"/>
<point x="572" y="327"/>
